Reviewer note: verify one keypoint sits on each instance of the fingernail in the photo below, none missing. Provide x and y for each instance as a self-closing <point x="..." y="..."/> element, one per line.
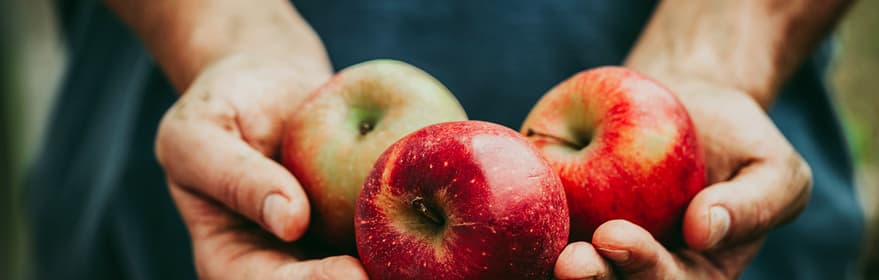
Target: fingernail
<point x="275" y="213"/>
<point x="617" y="256"/>
<point x="580" y="262"/>
<point x="579" y="253"/>
<point x="718" y="221"/>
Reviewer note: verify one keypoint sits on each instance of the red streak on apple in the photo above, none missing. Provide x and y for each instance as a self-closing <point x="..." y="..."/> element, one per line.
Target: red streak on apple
<point x="461" y="200"/>
<point x="624" y="147"/>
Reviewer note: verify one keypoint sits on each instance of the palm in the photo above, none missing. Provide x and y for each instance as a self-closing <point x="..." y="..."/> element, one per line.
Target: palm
<point x="217" y="145"/>
<point x="756" y="182"/>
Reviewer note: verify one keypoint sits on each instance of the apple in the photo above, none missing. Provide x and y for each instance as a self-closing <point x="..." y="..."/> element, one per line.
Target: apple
<point x="335" y="136"/>
<point x="461" y="200"/>
<point x="624" y="148"/>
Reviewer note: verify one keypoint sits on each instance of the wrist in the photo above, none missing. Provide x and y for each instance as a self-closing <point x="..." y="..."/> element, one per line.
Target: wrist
<point x="185" y="37"/>
<point x="749" y="46"/>
<point x="687" y="42"/>
<point x="704" y="67"/>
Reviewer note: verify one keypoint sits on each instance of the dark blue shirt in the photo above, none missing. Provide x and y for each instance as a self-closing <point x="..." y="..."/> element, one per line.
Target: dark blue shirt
<point x="98" y="201"/>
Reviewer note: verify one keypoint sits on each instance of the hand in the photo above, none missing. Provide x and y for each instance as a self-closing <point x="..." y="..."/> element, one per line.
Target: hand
<point x="756" y="182"/>
<point x="241" y="207"/>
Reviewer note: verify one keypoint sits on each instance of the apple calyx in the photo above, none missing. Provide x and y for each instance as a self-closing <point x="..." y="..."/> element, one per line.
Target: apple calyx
<point x="427" y="212"/>
<point x="366" y="117"/>
<point x="365" y="127"/>
<point x="559" y="140"/>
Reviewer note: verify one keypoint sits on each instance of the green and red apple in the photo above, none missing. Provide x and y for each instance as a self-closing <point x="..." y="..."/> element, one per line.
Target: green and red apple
<point x="624" y="148"/>
<point x="461" y="200"/>
<point x="332" y="141"/>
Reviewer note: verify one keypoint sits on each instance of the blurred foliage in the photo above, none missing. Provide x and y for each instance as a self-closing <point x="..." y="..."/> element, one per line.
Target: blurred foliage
<point x="858" y="133"/>
<point x="31" y="59"/>
<point x="855" y="83"/>
<point x="854" y="78"/>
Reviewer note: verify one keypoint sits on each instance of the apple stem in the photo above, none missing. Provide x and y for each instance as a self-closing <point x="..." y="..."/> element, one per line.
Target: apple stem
<point x="421" y="207"/>
<point x="531" y="132"/>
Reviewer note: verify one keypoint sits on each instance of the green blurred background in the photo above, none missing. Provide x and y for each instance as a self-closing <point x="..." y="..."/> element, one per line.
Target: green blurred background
<point x="32" y="59"/>
<point x="856" y="86"/>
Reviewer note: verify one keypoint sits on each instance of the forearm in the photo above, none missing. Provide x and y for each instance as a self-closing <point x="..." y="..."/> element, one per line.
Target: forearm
<point x="186" y="36"/>
<point x="752" y="45"/>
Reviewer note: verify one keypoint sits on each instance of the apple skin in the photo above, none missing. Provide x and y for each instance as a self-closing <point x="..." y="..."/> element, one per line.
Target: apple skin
<point x="624" y="148"/>
<point x="333" y="139"/>
<point x="501" y="209"/>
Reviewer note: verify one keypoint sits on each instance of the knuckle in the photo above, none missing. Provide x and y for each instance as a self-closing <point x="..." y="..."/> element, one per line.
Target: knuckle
<point x="230" y="190"/>
<point x="172" y="125"/>
<point x="163" y="137"/>
<point x="805" y="172"/>
<point x="803" y="191"/>
<point x="752" y="218"/>
<point x="802" y="181"/>
<point x="762" y="219"/>
<point x="800" y="173"/>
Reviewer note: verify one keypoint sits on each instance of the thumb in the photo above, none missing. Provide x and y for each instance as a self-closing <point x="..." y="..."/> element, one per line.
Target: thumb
<point x="205" y="159"/>
<point x="579" y="260"/>
<point x="634" y="253"/>
<point x="762" y="196"/>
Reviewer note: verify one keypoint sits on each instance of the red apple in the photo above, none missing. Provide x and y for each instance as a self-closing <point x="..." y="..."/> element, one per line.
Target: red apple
<point x="461" y="200"/>
<point x="624" y="147"/>
<point x="334" y="138"/>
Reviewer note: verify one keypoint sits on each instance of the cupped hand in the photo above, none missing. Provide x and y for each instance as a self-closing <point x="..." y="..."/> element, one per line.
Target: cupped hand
<point x="757" y="181"/>
<point x="218" y="146"/>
